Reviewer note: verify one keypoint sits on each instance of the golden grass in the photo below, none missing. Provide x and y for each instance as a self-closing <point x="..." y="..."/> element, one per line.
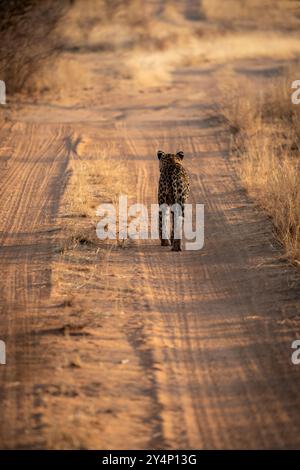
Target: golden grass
<point x="274" y="180"/>
<point x="266" y="150"/>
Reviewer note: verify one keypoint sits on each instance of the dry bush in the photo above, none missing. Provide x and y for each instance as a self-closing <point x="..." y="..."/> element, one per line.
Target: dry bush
<point x="267" y="151"/>
<point x="28" y="38"/>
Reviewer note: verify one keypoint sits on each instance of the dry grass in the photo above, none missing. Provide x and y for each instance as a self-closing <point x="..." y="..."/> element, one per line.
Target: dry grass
<point x="273" y="178"/>
<point x="266" y="148"/>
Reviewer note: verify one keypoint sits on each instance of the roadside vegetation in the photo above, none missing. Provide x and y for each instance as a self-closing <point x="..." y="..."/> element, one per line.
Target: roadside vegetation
<point x="29" y="40"/>
<point x="265" y="147"/>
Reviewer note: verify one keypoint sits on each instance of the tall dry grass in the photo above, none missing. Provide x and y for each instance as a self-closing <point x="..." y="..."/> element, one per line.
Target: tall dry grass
<point x="273" y="179"/>
<point x="266" y="148"/>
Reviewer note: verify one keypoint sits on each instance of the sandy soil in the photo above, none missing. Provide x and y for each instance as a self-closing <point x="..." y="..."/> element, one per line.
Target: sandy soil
<point x="158" y="349"/>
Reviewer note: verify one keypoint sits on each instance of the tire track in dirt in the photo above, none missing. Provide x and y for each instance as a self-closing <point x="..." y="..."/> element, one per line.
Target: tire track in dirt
<point x="31" y="186"/>
<point x="139" y="328"/>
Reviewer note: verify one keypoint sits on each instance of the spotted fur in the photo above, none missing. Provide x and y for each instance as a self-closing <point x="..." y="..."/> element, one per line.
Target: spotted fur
<point x="173" y="188"/>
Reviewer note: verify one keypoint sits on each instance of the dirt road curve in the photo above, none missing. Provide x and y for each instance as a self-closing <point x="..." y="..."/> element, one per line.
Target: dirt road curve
<point x="208" y="333"/>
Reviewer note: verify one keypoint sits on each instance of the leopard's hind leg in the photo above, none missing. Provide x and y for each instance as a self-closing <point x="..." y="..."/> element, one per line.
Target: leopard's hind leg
<point x="162" y="214"/>
<point x="177" y="218"/>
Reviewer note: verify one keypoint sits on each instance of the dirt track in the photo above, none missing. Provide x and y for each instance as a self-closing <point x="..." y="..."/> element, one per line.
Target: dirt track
<point x="206" y="335"/>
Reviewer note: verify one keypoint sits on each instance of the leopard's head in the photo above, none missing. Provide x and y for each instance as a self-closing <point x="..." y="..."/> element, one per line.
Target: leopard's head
<point x="166" y="159"/>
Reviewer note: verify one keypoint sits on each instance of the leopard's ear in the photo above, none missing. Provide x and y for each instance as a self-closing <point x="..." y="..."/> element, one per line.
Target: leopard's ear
<point x="160" y="154"/>
<point x="180" y="154"/>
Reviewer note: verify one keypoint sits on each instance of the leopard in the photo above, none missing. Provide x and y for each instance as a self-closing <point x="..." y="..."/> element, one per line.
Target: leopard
<point x="173" y="188"/>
